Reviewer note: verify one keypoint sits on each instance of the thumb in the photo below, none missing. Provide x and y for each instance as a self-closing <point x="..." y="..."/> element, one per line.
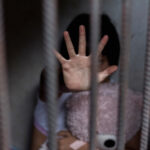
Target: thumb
<point x="107" y="72"/>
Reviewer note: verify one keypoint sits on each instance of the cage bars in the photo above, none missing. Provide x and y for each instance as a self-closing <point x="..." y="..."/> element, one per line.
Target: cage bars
<point x="146" y="106"/>
<point x="4" y="103"/>
<point x="50" y="44"/>
<point x="123" y="73"/>
<point x="94" y="32"/>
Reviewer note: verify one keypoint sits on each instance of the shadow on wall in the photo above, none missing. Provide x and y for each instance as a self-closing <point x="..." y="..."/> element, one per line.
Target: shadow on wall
<point x="25" y="61"/>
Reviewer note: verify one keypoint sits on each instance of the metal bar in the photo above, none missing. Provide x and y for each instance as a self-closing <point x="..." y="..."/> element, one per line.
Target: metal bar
<point x="4" y="103"/>
<point x="146" y="106"/>
<point x="50" y="44"/>
<point x="149" y="138"/>
<point x="95" y="30"/>
<point x="123" y="74"/>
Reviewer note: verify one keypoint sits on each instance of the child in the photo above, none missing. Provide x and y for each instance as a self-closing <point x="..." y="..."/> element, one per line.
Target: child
<point x="75" y="73"/>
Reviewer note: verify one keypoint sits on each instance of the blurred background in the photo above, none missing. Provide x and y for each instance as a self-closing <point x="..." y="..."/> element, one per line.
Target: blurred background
<point x="23" y="20"/>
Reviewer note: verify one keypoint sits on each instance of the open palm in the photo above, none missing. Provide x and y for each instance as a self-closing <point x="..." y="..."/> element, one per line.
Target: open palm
<point x="76" y="70"/>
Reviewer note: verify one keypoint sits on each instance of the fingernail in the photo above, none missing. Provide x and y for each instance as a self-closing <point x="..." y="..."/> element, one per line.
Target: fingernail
<point x="82" y="28"/>
<point x="106" y="36"/>
<point x="65" y="33"/>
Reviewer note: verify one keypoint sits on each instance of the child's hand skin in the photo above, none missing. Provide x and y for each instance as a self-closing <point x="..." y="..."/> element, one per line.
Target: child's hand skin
<point x="76" y="70"/>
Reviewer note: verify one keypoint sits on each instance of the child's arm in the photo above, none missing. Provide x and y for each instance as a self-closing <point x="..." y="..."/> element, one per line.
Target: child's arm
<point x="38" y="139"/>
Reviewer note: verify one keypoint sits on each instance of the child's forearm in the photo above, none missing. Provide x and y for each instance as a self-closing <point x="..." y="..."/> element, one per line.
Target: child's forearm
<point x="38" y="139"/>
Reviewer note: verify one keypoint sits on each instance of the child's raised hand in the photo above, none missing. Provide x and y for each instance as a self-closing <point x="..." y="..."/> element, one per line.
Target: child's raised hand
<point x="76" y="70"/>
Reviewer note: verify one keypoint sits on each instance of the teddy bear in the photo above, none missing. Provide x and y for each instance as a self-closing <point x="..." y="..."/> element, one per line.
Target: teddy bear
<point x="107" y="115"/>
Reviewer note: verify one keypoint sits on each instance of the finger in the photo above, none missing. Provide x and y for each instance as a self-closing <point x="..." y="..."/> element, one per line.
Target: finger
<point x="107" y="72"/>
<point x="69" y="45"/>
<point x="82" y="40"/>
<point x="59" y="57"/>
<point x="102" y="44"/>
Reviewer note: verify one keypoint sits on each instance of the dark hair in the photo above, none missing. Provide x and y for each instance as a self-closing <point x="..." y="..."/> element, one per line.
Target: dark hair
<point x="111" y="50"/>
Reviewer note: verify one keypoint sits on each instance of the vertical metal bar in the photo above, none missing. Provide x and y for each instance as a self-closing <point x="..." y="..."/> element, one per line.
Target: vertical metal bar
<point x="123" y="74"/>
<point x="146" y="107"/>
<point x="95" y="30"/>
<point x="50" y="44"/>
<point x="149" y="137"/>
<point x="4" y="103"/>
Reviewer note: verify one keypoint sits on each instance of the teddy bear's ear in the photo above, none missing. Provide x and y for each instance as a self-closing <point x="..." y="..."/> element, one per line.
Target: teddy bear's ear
<point x="76" y="99"/>
<point x="72" y="100"/>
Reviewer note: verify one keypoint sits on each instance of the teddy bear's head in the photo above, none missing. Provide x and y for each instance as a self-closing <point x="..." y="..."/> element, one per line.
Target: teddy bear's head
<point x="107" y="115"/>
